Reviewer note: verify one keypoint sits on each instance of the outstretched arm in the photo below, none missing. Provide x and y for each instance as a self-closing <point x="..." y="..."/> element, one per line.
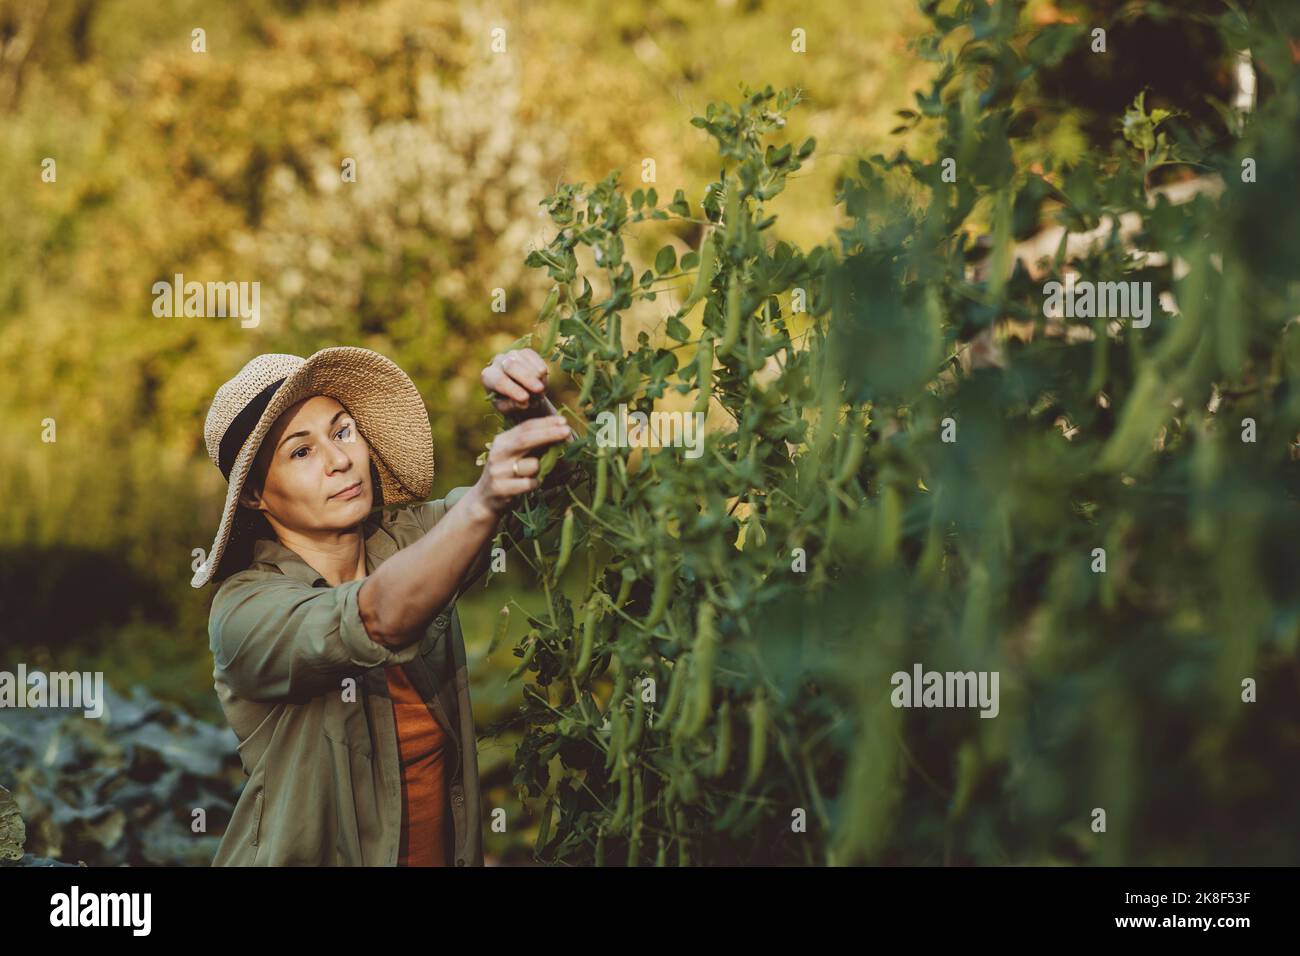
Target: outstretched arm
<point x="407" y="591"/>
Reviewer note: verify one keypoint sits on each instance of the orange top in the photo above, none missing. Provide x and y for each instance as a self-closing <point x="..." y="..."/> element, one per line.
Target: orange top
<point x="426" y="821"/>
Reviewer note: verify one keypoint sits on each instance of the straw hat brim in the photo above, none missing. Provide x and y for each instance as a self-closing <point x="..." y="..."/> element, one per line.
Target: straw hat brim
<point x="390" y="416"/>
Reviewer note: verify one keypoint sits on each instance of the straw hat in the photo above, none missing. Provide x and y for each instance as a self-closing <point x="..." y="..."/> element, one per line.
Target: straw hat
<point x="381" y="398"/>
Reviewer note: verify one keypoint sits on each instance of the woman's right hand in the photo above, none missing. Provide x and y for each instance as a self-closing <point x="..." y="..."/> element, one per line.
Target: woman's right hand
<point x="509" y="471"/>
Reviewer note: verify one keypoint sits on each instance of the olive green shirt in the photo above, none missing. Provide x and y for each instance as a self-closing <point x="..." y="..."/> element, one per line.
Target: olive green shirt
<point x="303" y="687"/>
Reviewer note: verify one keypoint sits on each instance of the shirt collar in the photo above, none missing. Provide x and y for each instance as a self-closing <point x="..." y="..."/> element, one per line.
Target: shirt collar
<point x="380" y="545"/>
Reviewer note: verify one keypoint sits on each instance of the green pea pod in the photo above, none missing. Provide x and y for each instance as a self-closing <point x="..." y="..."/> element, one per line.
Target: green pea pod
<point x="853" y="456"/>
<point x="544" y="828"/>
<point x="619" y="485"/>
<point x="661" y="856"/>
<point x="753" y="355"/>
<point x="550" y="312"/>
<point x="689" y="788"/>
<point x="685" y="717"/>
<point x="1100" y="358"/>
<point x="731" y="331"/>
<point x="588" y="379"/>
<point x="927" y="567"/>
<point x="683" y="858"/>
<point x="614" y="345"/>
<point x="638" y="808"/>
<point x="706" y="639"/>
<point x="832" y="516"/>
<point x="703" y="278"/>
<point x="527" y="659"/>
<point x="549" y="458"/>
<point x="755" y="536"/>
<point x="624" y="797"/>
<point x="588" y="641"/>
<point x="704" y="373"/>
<point x="620" y="686"/>
<point x="638" y="719"/>
<point x="722" y="753"/>
<point x="499" y="632"/>
<point x="1206" y="468"/>
<point x="676" y="690"/>
<point x="663" y="588"/>
<point x="1146" y="408"/>
<point x="968" y="768"/>
<point x="566" y="543"/>
<point x="757" y="738"/>
<point x="602" y="478"/>
<point x="625" y="587"/>
<point x="617" y="734"/>
<point x="600" y="847"/>
<point x="889" y="520"/>
<point x="729" y="816"/>
<point x="731" y="209"/>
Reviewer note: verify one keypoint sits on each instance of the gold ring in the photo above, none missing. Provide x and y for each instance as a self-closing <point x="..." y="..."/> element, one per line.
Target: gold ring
<point x="515" y="466"/>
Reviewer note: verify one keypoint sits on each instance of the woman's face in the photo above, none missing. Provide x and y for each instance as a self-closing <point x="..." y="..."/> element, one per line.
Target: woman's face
<point x="316" y="467"/>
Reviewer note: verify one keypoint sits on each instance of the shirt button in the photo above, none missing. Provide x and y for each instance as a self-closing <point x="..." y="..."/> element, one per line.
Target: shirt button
<point x="460" y="862"/>
<point x="457" y="798"/>
<point x="441" y="621"/>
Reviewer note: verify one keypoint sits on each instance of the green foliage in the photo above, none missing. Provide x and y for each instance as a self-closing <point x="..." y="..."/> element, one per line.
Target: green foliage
<point x="668" y="596"/>
<point x="1120" y="689"/>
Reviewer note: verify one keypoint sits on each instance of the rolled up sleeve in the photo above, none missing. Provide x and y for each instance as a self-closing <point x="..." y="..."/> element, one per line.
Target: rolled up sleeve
<point x="275" y="638"/>
<point x="431" y="512"/>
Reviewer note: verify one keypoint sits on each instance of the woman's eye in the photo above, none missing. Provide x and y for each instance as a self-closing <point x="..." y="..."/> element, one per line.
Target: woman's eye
<point x="342" y="430"/>
<point x="294" y="453"/>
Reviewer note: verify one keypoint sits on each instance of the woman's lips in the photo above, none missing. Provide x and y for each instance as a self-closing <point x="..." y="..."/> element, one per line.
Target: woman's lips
<point x="348" y="493"/>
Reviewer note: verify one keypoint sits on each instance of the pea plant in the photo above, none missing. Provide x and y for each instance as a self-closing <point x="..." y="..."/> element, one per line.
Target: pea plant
<point x="673" y="736"/>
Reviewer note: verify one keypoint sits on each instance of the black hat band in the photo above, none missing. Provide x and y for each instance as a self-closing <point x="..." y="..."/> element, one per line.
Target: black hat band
<point x="233" y="440"/>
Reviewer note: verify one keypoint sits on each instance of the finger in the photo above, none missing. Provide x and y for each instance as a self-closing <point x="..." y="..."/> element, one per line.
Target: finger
<point x="499" y="381"/>
<point x="523" y="371"/>
<point x="505" y="470"/>
<point x="530" y="381"/>
<point x="528" y="360"/>
<point x="537" y="363"/>
<point x="506" y="445"/>
<point x="505" y="405"/>
<point x="530" y="434"/>
<point x="511" y="487"/>
<point x="538" y="440"/>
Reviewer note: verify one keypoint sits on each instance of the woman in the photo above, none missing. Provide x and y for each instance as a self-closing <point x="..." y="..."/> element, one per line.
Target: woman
<point x="339" y="659"/>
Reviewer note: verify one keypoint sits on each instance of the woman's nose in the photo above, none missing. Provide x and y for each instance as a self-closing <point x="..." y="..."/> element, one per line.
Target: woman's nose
<point x="338" y="459"/>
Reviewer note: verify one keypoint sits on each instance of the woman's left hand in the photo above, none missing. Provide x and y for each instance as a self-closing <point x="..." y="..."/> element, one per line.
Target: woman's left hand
<point x="515" y="376"/>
